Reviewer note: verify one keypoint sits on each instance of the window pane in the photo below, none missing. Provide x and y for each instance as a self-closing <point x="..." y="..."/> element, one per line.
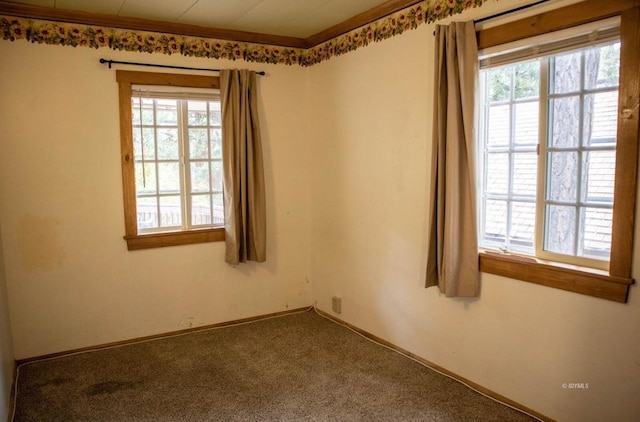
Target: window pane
<point x="166" y="112"/>
<point x="145" y="178"/>
<point x="495" y="221"/>
<point x="565" y="122"/>
<point x="147" y="210"/>
<point x="579" y="134"/>
<point x="147" y="110"/>
<point x="146" y="150"/>
<point x="167" y="144"/>
<point x="596" y="234"/>
<point x="563" y="176"/>
<point x="527" y="77"/>
<point x="198" y="144"/>
<point x="171" y="136"/>
<point x="526" y="123"/>
<point x="525" y="173"/>
<point x="216" y="143"/>
<point x="566" y="73"/>
<point x="523" y="225"/>
<point x="218" y="209"/>
<point x="215" y="116"/>
<point x="169" y="177"/>
<point x="170" y="211"/>
<point x="497" y="173"/>
<point x="560" y="229"/>
<point x="197" y="113"/>
<point x="598" y="173"/>
<point x="200" y="209"/>
<point x="602" y="66"/>
<point x="216" y="175"/>
<point x="135" y="109"/>
<point x="499" y="84"/>
<point x="499" y="125"/>
<point x="200" y="177"/>
<point x="601" y="118"/>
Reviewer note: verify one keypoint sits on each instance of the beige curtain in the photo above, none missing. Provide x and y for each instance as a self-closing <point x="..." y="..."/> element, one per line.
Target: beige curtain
<point x="244" y="197"/>
<point x="452" y="263"/>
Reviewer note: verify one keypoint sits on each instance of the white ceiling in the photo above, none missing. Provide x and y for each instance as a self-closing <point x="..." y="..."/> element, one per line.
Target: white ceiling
<point x="295" y="18"/>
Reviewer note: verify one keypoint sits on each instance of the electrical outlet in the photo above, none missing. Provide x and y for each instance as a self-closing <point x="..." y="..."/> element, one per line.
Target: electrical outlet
<point x="336" y="304"/>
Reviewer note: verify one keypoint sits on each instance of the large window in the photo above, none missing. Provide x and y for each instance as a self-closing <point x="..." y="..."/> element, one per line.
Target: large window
<point x="547" y="144"/>
<point x="171" y="145"/>
<point x="558" y="147"/>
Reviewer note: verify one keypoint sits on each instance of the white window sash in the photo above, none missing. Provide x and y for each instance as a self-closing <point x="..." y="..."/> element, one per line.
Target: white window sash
<point x="606" y="34"/>
<point x="183" y="96"/>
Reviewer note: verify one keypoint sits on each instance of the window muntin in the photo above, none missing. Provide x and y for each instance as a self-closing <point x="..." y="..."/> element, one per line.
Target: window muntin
<point x="177" y="161"/>
<point x="509" y="139"/>
<point x="558" y="207"/>
<point x="580" y="152"/>
<point x="561" y="24"/>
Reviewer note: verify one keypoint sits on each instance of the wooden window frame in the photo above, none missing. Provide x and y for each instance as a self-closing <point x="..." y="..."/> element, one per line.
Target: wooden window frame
<point x="135" y="240"/>
<point x="614" y="283"/>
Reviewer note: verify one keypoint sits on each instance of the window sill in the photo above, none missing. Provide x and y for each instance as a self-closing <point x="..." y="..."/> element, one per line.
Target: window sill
<point x="587" y="281"/>
<point x="160" y="240"/>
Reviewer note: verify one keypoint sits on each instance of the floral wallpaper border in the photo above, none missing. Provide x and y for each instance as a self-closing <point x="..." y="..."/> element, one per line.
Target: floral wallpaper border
<point x="57" y="33"/>
<point x="387" y="27"/>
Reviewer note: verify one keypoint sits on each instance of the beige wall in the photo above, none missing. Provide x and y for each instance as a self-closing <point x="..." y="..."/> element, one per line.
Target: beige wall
<point x="71" y="281"/>
<point x="370" y="170"/>
<point x="7" y="360"/>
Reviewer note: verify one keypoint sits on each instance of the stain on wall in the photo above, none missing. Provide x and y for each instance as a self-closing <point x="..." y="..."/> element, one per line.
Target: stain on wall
<point x="38" y="240"/>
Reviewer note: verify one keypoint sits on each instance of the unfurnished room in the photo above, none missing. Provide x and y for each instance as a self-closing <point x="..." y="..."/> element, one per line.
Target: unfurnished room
<point x="319" y="210"/>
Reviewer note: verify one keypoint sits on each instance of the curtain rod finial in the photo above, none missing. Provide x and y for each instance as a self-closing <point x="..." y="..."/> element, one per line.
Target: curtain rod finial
<point x="103" y="61"/>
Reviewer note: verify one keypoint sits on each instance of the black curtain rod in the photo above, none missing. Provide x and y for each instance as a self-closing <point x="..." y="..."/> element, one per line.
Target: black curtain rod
<point x="506" y="12"/>
<point x="111" y="62"/>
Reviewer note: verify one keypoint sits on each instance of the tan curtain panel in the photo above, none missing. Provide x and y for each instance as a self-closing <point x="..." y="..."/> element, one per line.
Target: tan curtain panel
<point x="244" y="196"/>
<point x="452" y="263"/>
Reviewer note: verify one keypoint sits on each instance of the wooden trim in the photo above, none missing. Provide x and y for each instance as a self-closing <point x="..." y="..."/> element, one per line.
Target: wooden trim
<point x="126" y="156"/>
<point x="437" y="368"/>
<point x="168" y="79"/>
<point x="113" y="21"/>
<point x="134" y="240"/>
<point x="554" y="20"/>
<point x="160" y="240"/>
<point x="589" y="282"/>
<point x="614" y="285"/>
<point x="364" y="18"/>
<point x="627" y="147"/>
<point x="169" y="334"/>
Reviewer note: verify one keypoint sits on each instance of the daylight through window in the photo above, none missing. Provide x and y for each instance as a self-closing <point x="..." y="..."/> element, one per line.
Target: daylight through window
<point x="547" y="154"/>
<point x="178" y="161"/>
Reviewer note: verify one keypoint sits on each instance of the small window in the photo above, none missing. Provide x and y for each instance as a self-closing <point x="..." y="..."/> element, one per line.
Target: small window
<point x="172" y="159"/>
<point x="548" y="152"/>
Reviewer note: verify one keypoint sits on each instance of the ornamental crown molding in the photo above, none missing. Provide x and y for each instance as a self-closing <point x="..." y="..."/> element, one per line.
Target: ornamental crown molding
<point x="44" y="31"/>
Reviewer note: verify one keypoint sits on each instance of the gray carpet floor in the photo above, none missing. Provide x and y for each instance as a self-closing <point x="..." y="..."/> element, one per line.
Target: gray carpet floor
<point x="299" y="367"/>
